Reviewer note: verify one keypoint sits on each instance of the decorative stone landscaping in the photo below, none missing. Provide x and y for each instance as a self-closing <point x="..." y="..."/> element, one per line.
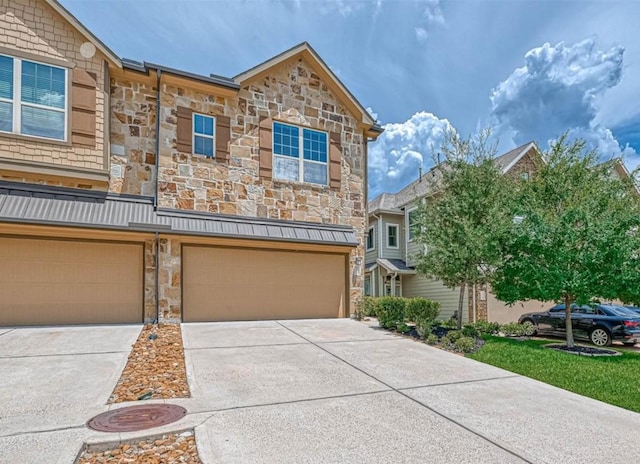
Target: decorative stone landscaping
<point x="156" y="367"/>
<point x="165" y="449"/>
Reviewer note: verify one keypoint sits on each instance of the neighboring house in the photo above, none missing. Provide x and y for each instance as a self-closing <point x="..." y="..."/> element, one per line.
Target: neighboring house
<point x="133" y="192"/>
<point x="391" y="250"/>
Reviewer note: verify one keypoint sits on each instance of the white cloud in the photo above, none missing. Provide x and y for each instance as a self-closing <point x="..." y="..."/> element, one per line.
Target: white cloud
<point x="430" y="17"/>
<point x="395" y="158"/>
<point x="421" y="34"/>
<point x="559" y="89"/>
<point x="373" y="114"/>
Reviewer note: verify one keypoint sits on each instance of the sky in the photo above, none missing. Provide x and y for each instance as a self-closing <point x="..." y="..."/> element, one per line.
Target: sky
<point x="529" y="70"/>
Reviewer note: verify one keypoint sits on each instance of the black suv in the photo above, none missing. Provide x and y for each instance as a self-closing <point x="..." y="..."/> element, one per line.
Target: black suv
<point x="599" y="323"/>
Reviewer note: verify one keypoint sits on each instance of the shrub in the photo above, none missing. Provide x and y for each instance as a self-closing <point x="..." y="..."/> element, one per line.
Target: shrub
<point x="513" y="329"/>
<point x="470" y="330"/>
<point x="445" y="341"/>
<point x="454" y="335"/>
<point x="424" y="327"/>
<point x="391" y="311"/>
<point x="370" y="306"/>
<point x="450" y="323"/>
<point x="465" y="344"/>
<point x="403" y="328"/>
<point x="487" y="328"/>
<point x="422" y="309"/>
<point x="432" y="339"/>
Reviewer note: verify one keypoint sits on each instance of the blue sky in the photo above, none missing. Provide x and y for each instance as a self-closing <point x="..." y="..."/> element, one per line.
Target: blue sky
<point x="529" y="69"/>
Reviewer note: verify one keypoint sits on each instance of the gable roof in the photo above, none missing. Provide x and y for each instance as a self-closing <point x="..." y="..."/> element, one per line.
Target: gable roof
<point x="77" y="25"/>
<point x="304" y="50"/>
<point x="423" y="186"/>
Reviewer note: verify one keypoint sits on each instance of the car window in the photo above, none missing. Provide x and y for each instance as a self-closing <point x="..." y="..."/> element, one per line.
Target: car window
<point x="621" y="311"/>
<point x="557" y="309"/>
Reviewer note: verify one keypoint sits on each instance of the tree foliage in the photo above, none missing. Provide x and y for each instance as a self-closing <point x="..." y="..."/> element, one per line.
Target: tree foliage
<point x="577" y="234"/>
<point x="461" y="222"/>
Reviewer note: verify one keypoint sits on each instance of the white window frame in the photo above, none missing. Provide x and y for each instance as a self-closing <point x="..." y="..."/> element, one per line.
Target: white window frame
<point x="204" y="136"/>
<point x="17" y="103"/>
<point x="408" y="224"/>
<point x="397" y="227"/>
<point x="300" y="158"/>
<point x="373" y="239"/>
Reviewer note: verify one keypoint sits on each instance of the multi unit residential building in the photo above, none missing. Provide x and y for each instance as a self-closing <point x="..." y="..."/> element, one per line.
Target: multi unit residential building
<point x="131" y="191"/>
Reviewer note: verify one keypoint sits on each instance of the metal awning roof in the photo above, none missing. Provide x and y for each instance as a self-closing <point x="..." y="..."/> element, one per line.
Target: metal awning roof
<point x="66" y="207"/>
<point x="395" y="266"/>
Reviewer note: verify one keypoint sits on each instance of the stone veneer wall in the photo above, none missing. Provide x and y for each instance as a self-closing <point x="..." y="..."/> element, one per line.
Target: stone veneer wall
<point x="133" y="119"/>
<point x="32" y="26"/>
<point x="293" y="93"/>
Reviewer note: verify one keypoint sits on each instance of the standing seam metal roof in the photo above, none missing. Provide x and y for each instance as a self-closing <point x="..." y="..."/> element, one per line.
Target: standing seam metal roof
<point x="50" y="207"/>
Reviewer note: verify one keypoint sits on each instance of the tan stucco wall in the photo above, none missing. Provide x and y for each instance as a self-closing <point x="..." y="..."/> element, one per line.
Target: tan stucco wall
<point x="33" y="27"/>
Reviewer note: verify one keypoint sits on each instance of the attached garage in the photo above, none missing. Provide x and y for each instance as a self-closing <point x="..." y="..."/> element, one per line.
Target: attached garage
<point x="231" y="284"/>
<point x="57" y="281"/>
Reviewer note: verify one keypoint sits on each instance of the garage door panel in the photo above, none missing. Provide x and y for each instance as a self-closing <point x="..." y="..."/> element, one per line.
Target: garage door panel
<point x="69" y="282"/>
<point x="240" y="284"/>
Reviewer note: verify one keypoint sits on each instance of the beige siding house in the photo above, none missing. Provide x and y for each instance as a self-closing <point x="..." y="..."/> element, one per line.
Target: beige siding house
<point x="130" y="191"/>
<point x="394" y="274"/>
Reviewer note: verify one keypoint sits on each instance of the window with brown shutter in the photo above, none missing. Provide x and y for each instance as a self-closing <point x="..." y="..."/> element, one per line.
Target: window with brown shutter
<point x="184" y="130"/>
<point x="266" y="148"/>
<point x="223" y="137"/>
<point x="335" y="160"/>
<point x="83" y="108"/>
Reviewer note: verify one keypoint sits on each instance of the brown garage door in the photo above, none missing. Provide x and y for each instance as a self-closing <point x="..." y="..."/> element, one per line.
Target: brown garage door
<point x="231" y="284"/>
<point x="69" y="282"/>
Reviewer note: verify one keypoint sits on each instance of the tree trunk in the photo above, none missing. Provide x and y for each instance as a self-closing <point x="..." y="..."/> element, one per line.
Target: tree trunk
<point x="567" y="321"/>
<point x="460" y="305"/>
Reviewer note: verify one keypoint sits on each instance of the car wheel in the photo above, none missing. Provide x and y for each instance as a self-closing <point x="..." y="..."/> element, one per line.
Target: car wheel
<point x="600" y="337"/>
<point x="530" y="327"/>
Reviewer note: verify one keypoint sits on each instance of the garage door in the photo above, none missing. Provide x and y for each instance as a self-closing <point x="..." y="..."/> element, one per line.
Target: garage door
<point x="224" y="284"/>
<point x="69" y="282"/>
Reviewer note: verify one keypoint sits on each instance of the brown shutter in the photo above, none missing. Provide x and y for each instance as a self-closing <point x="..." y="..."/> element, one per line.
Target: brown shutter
<point x="184" y="131"/>
<point x="335" y="160"/>
<point x="266" y="147"/>
<point x="83" y="108"/>
<point x="223" y="137"/>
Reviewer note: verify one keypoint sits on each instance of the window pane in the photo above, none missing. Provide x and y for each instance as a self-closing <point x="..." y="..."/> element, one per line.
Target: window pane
<point x="286" y="140"/>
<point x="43" y="85"/>
<point x="315" y="145"/>
<point x="203" y="124"/>
<point x="315" y="173"/>
<point x="285" y="168"/>
<point x="6" y="116"/>
<point x="43" y="123"/>
<point x="203" y="146"/>
<point x="6" y="77"/>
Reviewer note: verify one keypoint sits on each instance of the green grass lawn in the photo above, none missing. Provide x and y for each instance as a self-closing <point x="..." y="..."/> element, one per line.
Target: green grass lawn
<point x="614" y="380"/>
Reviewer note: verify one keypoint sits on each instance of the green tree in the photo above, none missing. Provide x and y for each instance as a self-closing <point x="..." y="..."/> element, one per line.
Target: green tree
<point x="576" y="237"/>
<point x="461" y="222"/>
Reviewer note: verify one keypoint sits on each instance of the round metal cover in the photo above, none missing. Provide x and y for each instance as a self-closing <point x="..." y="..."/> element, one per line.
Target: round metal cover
<point x="133" y="418"/>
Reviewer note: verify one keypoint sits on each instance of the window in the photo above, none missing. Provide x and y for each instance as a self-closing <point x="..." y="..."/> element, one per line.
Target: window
<point x="524" y="175"/>
<point x="367" y="285"/>
<point x="392" y="235"/>
<point x="371" y="242"/>
<point x="203" y="135"/>
<point x="413" y="225"/>
<point x="33" y="98"/>
<point x="289" y="142"/>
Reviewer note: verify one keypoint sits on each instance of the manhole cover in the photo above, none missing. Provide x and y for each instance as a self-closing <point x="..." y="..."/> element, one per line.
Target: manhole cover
<point x="134" y="418"/>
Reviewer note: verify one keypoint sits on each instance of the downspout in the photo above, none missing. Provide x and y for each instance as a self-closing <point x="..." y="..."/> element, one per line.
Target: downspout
<point x="378" y="286"/>
<point x="155" y="196"/>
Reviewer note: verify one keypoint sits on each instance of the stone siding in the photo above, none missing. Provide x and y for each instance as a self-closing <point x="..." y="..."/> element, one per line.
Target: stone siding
<point x="292" y="93"/>
<point x="32" y="26"/>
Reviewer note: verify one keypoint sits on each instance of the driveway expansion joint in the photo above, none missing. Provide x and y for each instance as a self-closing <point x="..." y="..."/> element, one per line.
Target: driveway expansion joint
<point x="400" y="392"/>
<point x="459" y="382"/>
<point x="8" y="331"/>
<point x="61" y="354"/>
<point x="245" y="346"/>
<point x="34" y="432"/>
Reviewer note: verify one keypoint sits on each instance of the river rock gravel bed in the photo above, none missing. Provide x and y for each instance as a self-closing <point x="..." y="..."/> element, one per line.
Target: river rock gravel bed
<point x="155" y="368"/>
<point x="175" y="448"/>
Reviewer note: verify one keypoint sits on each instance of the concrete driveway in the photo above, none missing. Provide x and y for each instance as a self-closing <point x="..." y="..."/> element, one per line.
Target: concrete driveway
<point x="313" y="391"/>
